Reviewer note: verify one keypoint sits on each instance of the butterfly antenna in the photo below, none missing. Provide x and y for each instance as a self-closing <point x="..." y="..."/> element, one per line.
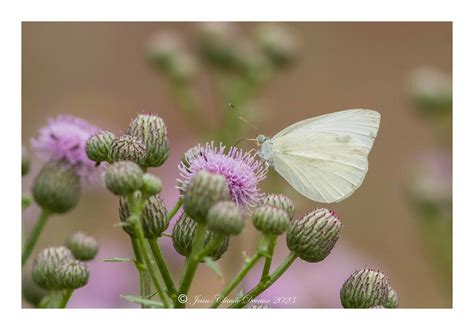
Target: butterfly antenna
<point x="235" y="144"/>
<point x="243" y="119"/>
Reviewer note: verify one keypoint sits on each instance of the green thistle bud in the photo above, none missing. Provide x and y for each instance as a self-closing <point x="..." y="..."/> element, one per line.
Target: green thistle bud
<point x="82" y="246"/>
<point x="183" y="236"/>
<point x="313" y="236"/>
<point x="73" y="274"/>
<point x="98" y="146"/>
<point x="25" y="162"/>
<point x="151" y="129"/>
<point x="46" y="265"/>
<point x="365" y="288"/>
<point x="57" y="187"/>
<point x="270" y="220"/>
<point x="203" y="191"/>
<point x="226" y="218"/>
<point x="154" y="218"/>
<point x="151" y="184"/>
<point x="392" y="298"/>
<point x="127" y="147"/>
<point x="277" y="43"/>
<point x="280" y="201"/>
<point x="124" y="177"/>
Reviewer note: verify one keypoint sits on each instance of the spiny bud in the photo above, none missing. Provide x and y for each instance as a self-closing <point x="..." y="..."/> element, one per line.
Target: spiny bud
<point x="365" y="288"/>
<point x="98" y="146"/>
<point x="127" y="147"/>
<point x="46" y="264"/>
<point x="154" y="218"/>
<point x="392" y="298"/>
<point x="82" y="246"/>
<point x="57" y="187"/>
<point x="151" y="129"/>
<point x="183" y="237"/>
<point x="124" y="177"/>
<point x="270" y="220"/>
<point x="277" y="43"/>
<point x="313" y="236"/>
<point x="151" y="184"/>
<point x="203" y="191"/>
<point x="73" y="274"/>
<point x="225" y="218"/>
<point x="280" y="201"/>
<point x="25" y="162"/>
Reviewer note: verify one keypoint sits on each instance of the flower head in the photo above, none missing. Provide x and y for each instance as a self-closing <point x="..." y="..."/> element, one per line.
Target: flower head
<point x="64" y="139"/>
<point x="241" y="170"/>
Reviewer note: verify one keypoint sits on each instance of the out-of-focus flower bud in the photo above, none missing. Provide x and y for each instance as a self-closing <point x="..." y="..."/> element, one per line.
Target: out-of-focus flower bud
<point x="280" y="201"/>
<point x="392" y="298"/>
<point x="124" y="177"/>
<point x="270" y="220"/>
<point x="73" y="274"/>
<point x="203" y="191"/>
<point x="98" y="146"/>
<point x="154" y="218"/>
<point x="225" y="218"/>
<point x="31" y="292"/>
<point x="151" y="185"/>
<point x="57" y="187"/>
<point x="313" y="236"/>
<point x="127" y="147"/>
<point x="277" y="43"/>
<point x="46" y="264"/>
<point x="82" y="246"/>
<point x="365" y="288"/>
<point x="183" y="237"/>
<point x="151" y="129"/>
<point x="432" y="91"/>
<point x="25" y="162"/>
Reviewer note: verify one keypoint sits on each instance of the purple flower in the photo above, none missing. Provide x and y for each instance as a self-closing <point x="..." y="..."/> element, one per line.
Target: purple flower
<point x="241" y="170"/>
<point x="64" y="138"/>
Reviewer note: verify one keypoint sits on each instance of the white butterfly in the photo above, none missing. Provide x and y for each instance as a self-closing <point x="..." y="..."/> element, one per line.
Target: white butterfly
<point x="324" y="158"/>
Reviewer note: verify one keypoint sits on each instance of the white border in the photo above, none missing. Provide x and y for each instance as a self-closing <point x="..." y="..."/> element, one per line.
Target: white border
<point x="11" y="17"/>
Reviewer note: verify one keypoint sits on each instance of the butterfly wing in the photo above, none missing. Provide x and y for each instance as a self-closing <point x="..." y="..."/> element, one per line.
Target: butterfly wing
<point x="325" y="158"/>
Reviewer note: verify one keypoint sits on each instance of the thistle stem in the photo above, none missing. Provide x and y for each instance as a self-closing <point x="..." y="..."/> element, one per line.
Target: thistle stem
<point x="65" y="298"/>
<point x="192" y="263"/>
<point x="141" y="268"/>
<point x="34" y="236"/>
<point x="266" y="283"/>
<point x="269" y="257"/>
<point x="175" y="209"/>
<point x="160" y="261"/>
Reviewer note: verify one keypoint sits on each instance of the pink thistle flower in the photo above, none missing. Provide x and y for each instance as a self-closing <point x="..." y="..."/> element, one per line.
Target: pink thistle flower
<point x="64" y="138"/>
<point x="241" y="170"/>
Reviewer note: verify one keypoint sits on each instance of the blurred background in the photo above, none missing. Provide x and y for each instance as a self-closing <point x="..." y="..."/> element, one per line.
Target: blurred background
<point x="399" y="221"/>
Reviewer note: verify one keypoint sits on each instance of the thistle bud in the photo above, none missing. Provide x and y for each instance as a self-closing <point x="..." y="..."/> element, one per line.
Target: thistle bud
<point x="154" y="218"/>
<point x="73" y="274"/>
<point x="25" y="162"/>
<point x="270" y="220"/>
<point x="46" y="264"/>
<point x="151" y="185"/>
<point x="124" y="177"/>
<point x="98" y="146"/>
<point x="152" y="131"/>
<point x="313" y="236"/>
<point x="31" y="292"/>
<point x="225" y="218"/>
<point x="277" y="43"/>
<point x="57" y="187"/>
<point x="365" y="288"/>
<point x="183" y="237"/>
<point x="82" y="246"/>
<point x="127" y="147"/>
<point x="280" y="201"/>
<point x="392" y="298"/>
<point x="203" y="191"/>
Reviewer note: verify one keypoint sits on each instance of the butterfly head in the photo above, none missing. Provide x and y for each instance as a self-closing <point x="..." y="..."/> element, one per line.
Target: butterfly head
<point x="266" y="149"/>
<point x="261" y="139"/>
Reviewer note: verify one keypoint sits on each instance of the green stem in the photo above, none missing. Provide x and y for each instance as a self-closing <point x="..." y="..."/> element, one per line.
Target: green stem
<point x="175" y="209"/>
<point x="192" y="262"/>
<point x="141" y="268"/>
<point x="248" y="265"/>
<point x="160" y="261"/>
<point x="211" y="246"/>
<point x="187" y="102"/>
<point x="34" y="236"/>
<point x="269" y="257"/>
<point x="265" y="284"/>
<point x="65" y="298"/>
